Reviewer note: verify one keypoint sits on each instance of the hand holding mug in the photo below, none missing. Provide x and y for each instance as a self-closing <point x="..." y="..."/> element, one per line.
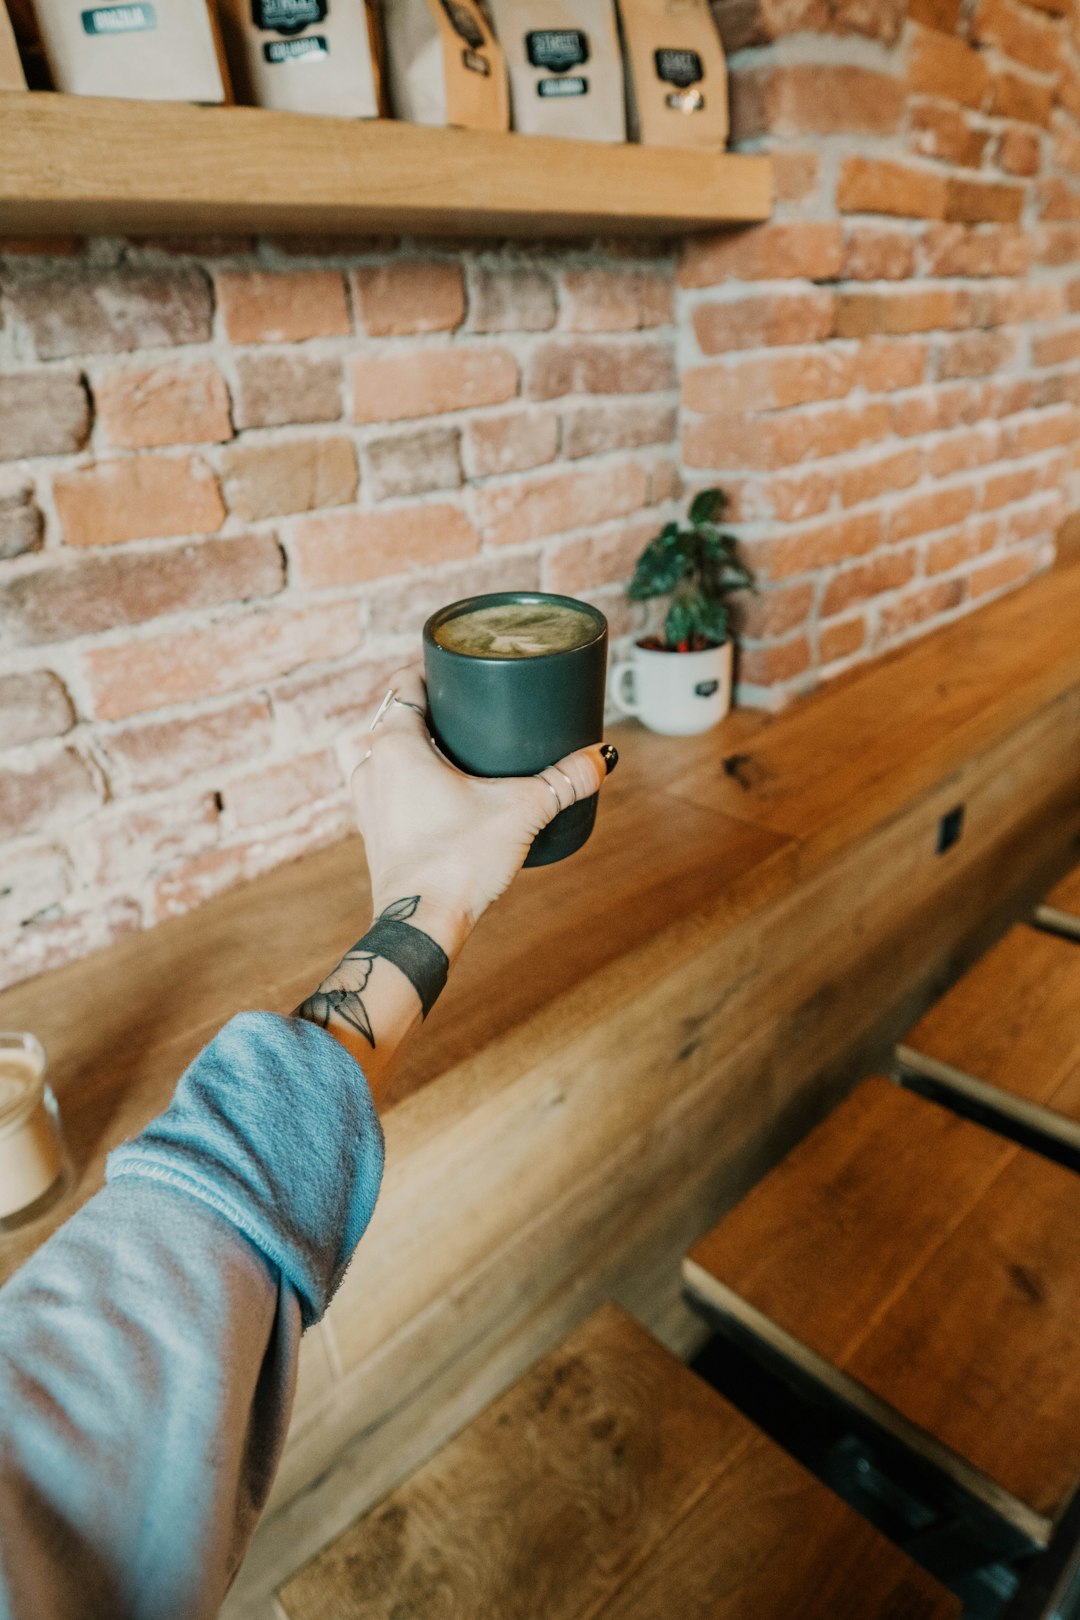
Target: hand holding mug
<point x="433" y="830"/>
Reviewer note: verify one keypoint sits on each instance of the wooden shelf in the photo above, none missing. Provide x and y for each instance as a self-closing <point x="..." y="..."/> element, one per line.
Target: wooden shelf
<point x="81" y="165"/>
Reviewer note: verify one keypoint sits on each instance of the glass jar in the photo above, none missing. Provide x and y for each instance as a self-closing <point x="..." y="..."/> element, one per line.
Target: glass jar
<point x="32" y="1165"/>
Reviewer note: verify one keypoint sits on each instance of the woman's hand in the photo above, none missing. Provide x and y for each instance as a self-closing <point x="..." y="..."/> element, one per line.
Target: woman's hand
<point x="458" y="841"/>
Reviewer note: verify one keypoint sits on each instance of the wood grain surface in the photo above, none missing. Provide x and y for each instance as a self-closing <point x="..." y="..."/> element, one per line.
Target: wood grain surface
<point x="1013" y="1020"/>
<point x="115" y="1057"/>
<point x="610" y="1481"/>
<point x="888" y="732"/>
<point x="934" y="1263"/>
<point x="87" y="164"/>
<point x="767" y="1542"/>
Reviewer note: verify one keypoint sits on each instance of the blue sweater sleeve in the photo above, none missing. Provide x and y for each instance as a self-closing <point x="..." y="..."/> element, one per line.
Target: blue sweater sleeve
<point x="274" y="1127"/>
<point x="148" y="1349"/>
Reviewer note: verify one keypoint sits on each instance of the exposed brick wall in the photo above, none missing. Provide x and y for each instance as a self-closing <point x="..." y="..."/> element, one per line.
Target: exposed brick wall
<point x="886" y="376"/>
<point x="235" y="476"/>
<point x="234" y="479"/>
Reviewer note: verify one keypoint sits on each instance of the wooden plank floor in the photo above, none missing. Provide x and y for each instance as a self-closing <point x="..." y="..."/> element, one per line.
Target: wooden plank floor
<point x="927" y="1269"/>
<point x="1011" y="1025"/>
<point x="612" y="1484"/>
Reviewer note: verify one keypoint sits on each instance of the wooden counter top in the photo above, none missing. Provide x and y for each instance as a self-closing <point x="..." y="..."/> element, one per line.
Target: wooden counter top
<point x="694" y="836"/>
<point x="121" y="1025"/>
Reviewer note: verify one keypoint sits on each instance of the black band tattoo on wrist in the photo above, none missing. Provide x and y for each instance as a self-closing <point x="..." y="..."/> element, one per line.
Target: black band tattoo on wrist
<point x="423" y="962"/>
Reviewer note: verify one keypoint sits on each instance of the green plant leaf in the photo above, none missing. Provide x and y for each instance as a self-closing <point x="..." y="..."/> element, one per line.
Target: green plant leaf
<point x="707" y="506"/>
<point x="698" y="567"/>
<point x="679" y="624"/>
<point x="659" y="568"/>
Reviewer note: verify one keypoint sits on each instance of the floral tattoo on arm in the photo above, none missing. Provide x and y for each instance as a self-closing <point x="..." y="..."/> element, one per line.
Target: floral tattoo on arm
<point x="341" y="992"/>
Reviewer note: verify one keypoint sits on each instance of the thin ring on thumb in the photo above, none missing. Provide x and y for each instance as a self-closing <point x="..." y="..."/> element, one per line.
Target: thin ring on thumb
<point x="574" y="777"/>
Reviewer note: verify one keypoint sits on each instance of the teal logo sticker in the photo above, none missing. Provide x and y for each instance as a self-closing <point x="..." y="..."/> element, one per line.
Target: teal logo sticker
<point x="311" y="49"/>
<point x="562" y="87"/>
<point x="679" y="67"/>
<point x="557" y="49"/>
<point x="287" y="16"/>
<point x="134" y="19"/>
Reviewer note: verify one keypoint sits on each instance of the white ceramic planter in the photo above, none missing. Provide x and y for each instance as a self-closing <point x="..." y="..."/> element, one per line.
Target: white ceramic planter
<point x="676" y="693"/>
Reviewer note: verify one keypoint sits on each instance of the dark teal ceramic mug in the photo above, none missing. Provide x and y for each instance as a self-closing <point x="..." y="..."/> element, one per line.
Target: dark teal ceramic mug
<point x="508" y="713"/>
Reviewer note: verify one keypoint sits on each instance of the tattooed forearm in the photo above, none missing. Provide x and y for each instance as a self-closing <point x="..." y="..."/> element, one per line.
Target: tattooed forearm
<point x="340" y="996"/>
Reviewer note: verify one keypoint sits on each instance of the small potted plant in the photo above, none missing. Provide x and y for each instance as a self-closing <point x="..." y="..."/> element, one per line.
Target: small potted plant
<point x="678" y="680"/>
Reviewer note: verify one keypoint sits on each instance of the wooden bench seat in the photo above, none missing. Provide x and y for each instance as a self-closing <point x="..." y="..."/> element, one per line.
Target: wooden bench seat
<point x="1061" y="910"/>
<point x="1004" y="1043"/>
<point x="610" y="1482"/>
<point x="926" y="1271"/>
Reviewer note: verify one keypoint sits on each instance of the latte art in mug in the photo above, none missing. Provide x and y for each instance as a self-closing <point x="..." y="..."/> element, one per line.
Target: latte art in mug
<point x="517" y="630"/>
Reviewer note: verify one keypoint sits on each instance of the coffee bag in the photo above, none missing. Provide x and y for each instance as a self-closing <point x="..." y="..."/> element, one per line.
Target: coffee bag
<point x="12" y="76"/>
<point x="24" y="22"/>
<point x="146" y="50"/>
<point x="676" y="76"/>
<point x="312" y="56"/>
<point x="566" y="75"/>
<point x="443" y="64"/>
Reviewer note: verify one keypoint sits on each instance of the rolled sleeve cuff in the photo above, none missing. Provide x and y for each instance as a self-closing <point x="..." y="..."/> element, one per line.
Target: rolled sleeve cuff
<point x="273" y="1127"/>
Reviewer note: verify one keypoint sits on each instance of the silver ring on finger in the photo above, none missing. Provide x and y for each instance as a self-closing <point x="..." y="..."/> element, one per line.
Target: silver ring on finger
<point x="540" y="777"/>
<point x="402" y="703"/>
<point x="568" y="782"/>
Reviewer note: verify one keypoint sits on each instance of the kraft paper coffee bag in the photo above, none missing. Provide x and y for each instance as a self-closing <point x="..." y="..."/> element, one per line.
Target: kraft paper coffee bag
<point x="566" y="73"/>
<point x="145" y="50"/>
<point x="312" y="56"/>
<point x="28" y="43"/>
<point x="443" y="64"/>
<point x="676" y="76"/>
<point x="12" y="76"/>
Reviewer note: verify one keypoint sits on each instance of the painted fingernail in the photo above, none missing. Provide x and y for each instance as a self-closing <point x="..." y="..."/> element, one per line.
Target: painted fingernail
<point x="610" y="756"/>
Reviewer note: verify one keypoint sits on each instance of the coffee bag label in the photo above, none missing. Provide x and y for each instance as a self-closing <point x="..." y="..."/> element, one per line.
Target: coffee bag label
<point x="676" y="78"/>
<point x="287" y="16"/>
<point x="548" y="44"/>
<point x="557" y="49"/>
<point x="134" y="19"/>
<point x="465" y="25"/>
<point x="313" y="48"/>
<point x="562" y="87"/>
<point x="682" y="68"/>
